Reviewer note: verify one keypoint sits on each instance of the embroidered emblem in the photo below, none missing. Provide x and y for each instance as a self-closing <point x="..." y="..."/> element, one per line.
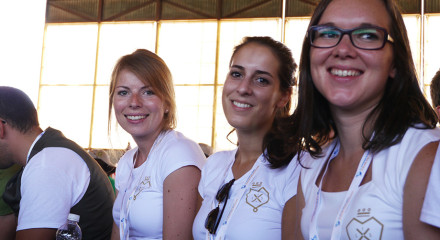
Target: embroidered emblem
<point x="144" y="184"/>
<point x="371" y="229"/>
<point x="364" y="212"/>
<point x="256" y="198"/>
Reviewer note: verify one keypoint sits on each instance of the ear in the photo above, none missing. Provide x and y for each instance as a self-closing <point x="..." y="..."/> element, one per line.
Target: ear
<point x="393" y="72"/>
<point x="2" y="130"/>
<point x="285" y="97"/>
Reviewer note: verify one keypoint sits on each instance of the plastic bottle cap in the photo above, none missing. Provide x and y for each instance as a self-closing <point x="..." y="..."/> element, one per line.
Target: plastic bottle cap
<point x="73" y="217"/>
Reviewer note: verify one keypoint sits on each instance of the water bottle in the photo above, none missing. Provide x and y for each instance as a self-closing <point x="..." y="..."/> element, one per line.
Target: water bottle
<point x="70" y="230"/>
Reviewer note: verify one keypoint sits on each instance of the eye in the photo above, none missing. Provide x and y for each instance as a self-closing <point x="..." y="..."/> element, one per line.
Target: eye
<point x="122" y="93"/>
<point x="327" y="33"/>
<point x="262" y="81"/>
<point x="368" y="34"/>
<point x="148" y="92"/>
<point x="235" y="74"/>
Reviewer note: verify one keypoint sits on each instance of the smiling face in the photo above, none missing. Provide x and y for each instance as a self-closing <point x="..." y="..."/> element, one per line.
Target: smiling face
<point x="138" y="110"/>
<point x="251" y="93"/>
<point x="348" y="77"/>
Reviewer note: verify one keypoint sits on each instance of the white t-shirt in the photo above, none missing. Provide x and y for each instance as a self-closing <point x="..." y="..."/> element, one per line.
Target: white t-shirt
<point x="258" y="213"/>
<point x="430" y="211"/>
<point x="376" y="210"/>
<point x="145" y="216"/>
<point x="50" y="187"/>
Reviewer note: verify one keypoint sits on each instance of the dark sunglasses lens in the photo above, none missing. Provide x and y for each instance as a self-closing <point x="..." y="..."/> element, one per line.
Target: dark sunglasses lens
<point x="223" y="191"/>
<point x="211" y="220"/>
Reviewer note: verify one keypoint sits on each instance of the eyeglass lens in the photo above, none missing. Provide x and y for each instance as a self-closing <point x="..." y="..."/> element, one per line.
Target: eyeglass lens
<point x="365" y="37"/>
<point x="212" y="220"/>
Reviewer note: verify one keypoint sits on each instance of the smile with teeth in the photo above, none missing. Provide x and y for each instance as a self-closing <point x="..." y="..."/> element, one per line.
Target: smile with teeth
<point x="345" y="73"/>
<point x="136" y="117"/>
<point x="241" y="105"/>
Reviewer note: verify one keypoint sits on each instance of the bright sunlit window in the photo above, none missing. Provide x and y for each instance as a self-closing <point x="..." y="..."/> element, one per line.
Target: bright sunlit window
<point x="78" y="60"/>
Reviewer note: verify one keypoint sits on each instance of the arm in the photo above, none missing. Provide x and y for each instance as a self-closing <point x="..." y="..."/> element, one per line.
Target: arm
<point x="180" y="203"/>
<point x="8" y="224"/>
<point x="36" y="234"/>
<point x="414" y="193"/>
<point x="115" y="228"/>
<point x="291" y="219"/>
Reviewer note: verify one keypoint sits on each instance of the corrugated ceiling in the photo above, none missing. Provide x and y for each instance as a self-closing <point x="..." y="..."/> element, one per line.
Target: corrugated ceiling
<point x="137" y="10"/>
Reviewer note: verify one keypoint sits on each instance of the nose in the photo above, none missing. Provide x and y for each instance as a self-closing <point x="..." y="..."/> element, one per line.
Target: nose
<point x="135" y="102"/>
<point x="345" y="48"/>
<point x="244" y="87"/>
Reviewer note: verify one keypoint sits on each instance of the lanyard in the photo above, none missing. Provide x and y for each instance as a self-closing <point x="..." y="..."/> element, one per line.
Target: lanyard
<point x="354" y="187"/>
<point x="224" y="223"/>
<point x="124" y="227"/>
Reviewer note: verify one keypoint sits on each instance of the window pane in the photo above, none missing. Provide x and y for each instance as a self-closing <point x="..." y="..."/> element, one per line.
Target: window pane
<point x="69" y="54"/>
<point x="119" y="39"/>
<point x="118" y="139"/>
<point x="191" y="59"/>
<point x="222" y="127"/>
<point x="432" y="49"/>
<point x="412" y="24"/>
<point x="195" y="112"/>
<point x="67" y="109"/>
<point x="296" y="29"/>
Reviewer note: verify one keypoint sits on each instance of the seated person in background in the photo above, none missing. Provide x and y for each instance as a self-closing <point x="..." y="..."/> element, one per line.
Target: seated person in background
<point x="207" y="150"/>
<point x="430" y="213"/>
<point x="8" y="221"/>
<point x="435" y="92"/>
<point x="103" y="160"/>
<point x="58" y="178"/>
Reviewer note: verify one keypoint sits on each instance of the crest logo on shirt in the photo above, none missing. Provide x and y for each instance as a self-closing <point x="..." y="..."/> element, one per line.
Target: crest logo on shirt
<point x="257" y="196"/>
<point x="371" y="229"/>
<point x="144" y="184"/>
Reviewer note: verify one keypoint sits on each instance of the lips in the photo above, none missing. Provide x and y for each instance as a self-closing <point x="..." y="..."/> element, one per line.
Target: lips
<point x="241" y="105"/>
<point x="136" y="117"/>
<point x="345" y="72"/>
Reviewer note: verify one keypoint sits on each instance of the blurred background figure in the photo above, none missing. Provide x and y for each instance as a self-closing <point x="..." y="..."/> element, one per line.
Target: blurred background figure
<point x="8" y="221"/>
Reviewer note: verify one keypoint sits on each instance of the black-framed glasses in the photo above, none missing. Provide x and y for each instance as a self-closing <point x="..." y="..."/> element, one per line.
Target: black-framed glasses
<point x="213" y="219"/>
<point x="367" y="38"/>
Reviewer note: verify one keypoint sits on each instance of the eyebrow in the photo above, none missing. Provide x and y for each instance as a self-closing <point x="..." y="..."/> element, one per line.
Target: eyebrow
<point x="257" y="71"/>
<point x="332" y="24"/>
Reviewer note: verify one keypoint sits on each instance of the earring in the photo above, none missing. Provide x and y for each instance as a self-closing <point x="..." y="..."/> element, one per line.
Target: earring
<point x="166" y="110"/>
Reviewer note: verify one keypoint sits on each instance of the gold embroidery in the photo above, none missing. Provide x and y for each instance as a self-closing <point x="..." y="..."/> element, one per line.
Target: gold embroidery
<point x="257" y="198"/>
<point x="144" y="184"/>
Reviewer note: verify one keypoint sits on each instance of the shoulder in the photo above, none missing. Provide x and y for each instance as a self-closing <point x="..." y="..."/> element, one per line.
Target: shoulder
<point x="175" y="147"/>
<point x="57" y="158"/>
<point x="219" y="160"/>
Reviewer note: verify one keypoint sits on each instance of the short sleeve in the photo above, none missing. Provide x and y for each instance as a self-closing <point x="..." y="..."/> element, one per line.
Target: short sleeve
<point x="178" y="154"/>
<point x="291" y="180"/>
<point x="53" y="181"/>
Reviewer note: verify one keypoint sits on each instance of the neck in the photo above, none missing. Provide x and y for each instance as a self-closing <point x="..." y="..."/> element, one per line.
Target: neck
<point x="249" y="150"/>
<point x="351" y="132"/>
<point x="145" y="145"/>
<point x="23" y="142"/>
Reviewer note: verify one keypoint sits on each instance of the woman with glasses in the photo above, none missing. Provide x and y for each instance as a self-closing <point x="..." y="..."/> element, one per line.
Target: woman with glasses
<point x="156" y="181"/>
<point x="368" y="133"/>
<point x="246" y="191"/>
